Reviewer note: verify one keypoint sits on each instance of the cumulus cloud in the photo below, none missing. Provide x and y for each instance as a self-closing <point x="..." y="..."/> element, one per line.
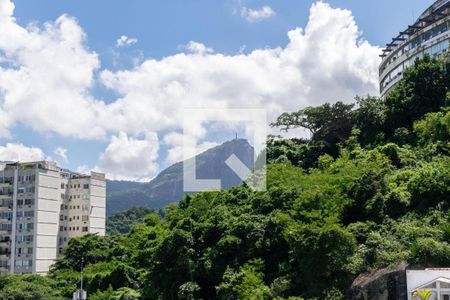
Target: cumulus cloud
<point x="199" y="48"/>
<point x="123" y="41"/>
<point x="129" y="158"/>
<point x="255" y="15"/>
<point x="19" y="152"/>
<point x="61" y="152"/>
<point x="46" y="76"/>
<point x="326" y="61"/>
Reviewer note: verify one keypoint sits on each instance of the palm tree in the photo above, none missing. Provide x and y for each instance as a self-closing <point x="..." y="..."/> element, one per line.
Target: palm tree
<point x="422" y="294"/>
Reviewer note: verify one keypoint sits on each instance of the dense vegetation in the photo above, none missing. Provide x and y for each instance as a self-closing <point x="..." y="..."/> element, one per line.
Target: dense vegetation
<point x="122" y="222"/>
<point x="370" y="189"/>
<point x="167" y="187"/>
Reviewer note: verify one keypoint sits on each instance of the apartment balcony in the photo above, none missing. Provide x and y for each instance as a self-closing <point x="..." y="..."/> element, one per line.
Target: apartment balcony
<point x="6" y="208"/>
<point x="4" y="256"/>
<point x="5" y="244"/>
<point x="6" y="184"/>
<point x="5" y="196"/>
<point x="24" y="243"/>
<point x="22" y="219"/>
<point x="24" y="256"/>
<point x="4" y="270"/>
<point x="26" y="206"/>
<point x="25" y="230"/>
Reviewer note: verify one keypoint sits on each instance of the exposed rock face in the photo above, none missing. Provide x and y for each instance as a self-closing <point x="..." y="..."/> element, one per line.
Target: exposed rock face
<point x="384" y="284"/>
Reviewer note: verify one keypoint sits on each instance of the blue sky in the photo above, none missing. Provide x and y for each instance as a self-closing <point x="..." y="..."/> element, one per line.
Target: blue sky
<point x="210" y="33"/>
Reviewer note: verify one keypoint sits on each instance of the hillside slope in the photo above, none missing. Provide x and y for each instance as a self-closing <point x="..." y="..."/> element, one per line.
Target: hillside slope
<point x="167" y="187"/>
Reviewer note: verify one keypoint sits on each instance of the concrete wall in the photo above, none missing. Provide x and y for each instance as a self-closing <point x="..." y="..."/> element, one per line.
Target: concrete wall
<point x="47" y="208"/>
<point x="98" y="204"/>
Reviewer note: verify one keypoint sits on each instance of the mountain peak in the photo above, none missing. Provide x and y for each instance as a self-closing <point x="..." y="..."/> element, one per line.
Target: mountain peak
<point x="167" y="187"/>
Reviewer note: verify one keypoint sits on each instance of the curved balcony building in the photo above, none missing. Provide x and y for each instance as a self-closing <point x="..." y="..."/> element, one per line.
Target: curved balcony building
<point x="429" y="34"/>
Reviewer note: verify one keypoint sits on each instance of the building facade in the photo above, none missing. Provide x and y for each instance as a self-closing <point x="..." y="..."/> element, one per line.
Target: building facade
<point x="429" y="34"/>
<point x="437" y="281"/>
<point x="41" y="207"/>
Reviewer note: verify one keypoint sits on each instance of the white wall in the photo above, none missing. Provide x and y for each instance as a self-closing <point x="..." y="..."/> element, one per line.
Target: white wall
<point x="47" y="208"/>
<point x="417" y="278"/>
<point x="97" y="216"/>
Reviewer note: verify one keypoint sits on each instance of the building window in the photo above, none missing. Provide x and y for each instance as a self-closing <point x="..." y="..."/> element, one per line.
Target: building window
<point x="85" y="229"/>
<point x="5" y="227"/>
<point x="85" y="186"/>
<point x="62" y="185"/>
<point x="85" y="218"/>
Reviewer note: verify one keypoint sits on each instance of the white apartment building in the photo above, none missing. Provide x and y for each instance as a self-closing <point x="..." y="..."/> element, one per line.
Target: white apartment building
<point x="41" y="208"/>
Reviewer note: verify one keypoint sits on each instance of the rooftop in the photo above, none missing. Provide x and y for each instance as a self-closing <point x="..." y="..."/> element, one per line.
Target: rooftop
<point x="431" y="15"/>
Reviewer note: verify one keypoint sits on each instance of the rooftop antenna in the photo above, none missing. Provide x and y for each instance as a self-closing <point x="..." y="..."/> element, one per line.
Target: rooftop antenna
<point x="236" y="136"/>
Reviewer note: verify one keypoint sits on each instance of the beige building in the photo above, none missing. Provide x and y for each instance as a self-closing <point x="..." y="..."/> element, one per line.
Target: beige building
<point x="41" y="207"/>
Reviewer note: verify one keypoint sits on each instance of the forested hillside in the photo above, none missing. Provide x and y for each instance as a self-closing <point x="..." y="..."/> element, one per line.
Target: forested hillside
<point x="370" y="189"/>
<point x="123" y="222"/>
<point x="167" y="187"/>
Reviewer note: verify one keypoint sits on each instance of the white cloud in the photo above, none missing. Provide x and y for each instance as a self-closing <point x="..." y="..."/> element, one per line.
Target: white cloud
<point x="123" y="41"/>
<point x="128" y="158"/>
<point x="199" y="48"/>
<point x="48" y="88"/>
<point x="45" y="81"/>
<point x="19" y="152"/>
<point x="255" y="15"/>
<point x="46" y="76"/>
<point x="84" y="169"/>
<point x="61" y="152"/>
<point x="326" y="61"/>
